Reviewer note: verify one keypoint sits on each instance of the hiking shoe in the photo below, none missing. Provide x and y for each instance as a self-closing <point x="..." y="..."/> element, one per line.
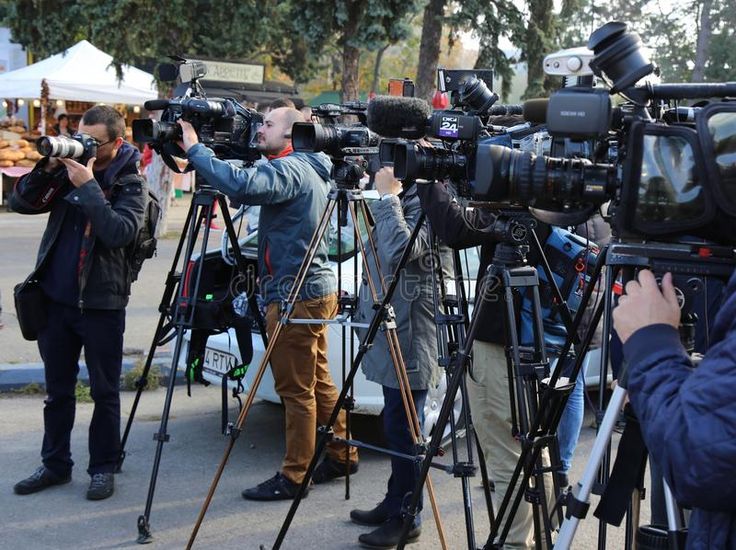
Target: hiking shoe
<point x="388" y="534"/>
<point x="377" y="516"/>
<point x="40" y="480"/>
<point x="101" y="486"/>
<point x="330" y="469"/>
<point x="279" y="487"/>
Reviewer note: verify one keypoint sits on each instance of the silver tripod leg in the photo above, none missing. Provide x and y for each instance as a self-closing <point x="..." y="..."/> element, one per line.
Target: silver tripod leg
<point x="581" y="493"/>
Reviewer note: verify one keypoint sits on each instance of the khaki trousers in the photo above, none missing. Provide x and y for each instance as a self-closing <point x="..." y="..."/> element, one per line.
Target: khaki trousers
<point x="302" y="376"/>
<point x="488" y="393"/>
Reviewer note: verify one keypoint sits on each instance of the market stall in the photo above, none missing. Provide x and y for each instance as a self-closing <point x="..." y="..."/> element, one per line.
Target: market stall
<point x="71" y="81"/>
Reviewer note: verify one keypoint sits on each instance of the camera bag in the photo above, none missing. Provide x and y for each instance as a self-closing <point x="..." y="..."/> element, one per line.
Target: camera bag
<point x="30" y="307"/>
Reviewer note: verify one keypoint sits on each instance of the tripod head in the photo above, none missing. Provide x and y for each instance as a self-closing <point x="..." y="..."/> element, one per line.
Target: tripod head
<point x="347" y="174"/>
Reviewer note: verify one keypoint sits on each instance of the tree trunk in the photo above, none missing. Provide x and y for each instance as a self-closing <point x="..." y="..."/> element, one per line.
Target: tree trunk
<point x="429" y="49"/>
<point x="703" y="46"/>
<point x="350" y="64"/>
<point x="377" y="67"/>
<point x="537" y="36"/>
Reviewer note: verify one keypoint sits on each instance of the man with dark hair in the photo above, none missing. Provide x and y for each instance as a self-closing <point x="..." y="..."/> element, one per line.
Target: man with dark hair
<point x="96" y="211"/>
<point x="292" y="190"/>
<point x="281" y="102"/>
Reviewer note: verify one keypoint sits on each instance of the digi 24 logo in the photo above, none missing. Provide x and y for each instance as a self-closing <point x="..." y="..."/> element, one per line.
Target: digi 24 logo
<point x="449" y="126"/>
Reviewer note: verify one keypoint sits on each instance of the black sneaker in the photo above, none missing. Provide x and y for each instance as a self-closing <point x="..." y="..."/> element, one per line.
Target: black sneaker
<point x="101" y="486"/>
<point x="40" y="480"/>
<point x="279" y="487"/>
<point x="330" y="469"/>
<point x="388" y="535"/>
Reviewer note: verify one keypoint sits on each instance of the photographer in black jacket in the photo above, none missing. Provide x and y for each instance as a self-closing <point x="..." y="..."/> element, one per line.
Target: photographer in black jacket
<point x="488" y="384"/>
<point x="96" y="211"/>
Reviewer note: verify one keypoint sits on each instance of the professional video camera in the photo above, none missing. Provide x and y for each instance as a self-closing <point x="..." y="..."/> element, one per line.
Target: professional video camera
<point x="353" y="148"/>
<point x="222" y="124"/>
<point x="335" y="140"/>
<point x="672" y="175"/>
<point x="671" y="179"/>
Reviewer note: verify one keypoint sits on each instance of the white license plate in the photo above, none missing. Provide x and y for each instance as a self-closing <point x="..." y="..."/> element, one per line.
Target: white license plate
<point x="218" y="362"/>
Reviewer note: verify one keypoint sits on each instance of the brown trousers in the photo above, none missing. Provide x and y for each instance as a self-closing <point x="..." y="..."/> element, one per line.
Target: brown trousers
<point x="303" y="380"/>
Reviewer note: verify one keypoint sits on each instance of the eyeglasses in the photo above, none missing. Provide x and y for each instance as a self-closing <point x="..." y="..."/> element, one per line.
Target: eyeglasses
<point x="105" y="143"/>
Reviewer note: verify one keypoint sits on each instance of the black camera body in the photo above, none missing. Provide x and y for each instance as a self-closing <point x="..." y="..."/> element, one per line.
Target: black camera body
<point x="353" y="148"/>
<point x="222" y="124"/>
<point x="80" y="147"/>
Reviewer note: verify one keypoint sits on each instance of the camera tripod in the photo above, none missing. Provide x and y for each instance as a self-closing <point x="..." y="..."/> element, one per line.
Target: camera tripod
<point x="527" y="367"/>
<point x="179" y="305"/>
<point x="451" y="322"/>
<point x="346" y="198"/>
<point x="693" y="261"/>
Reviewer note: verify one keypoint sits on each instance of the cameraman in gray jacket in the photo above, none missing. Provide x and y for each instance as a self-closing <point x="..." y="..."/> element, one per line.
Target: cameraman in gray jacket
<point x="396" y="215"/>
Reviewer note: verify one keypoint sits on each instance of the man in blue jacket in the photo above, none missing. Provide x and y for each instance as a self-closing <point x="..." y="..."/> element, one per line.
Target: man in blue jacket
<point x="292" y="191"/>
<point x="83" y="265"/>
<point x="688" y="417"/>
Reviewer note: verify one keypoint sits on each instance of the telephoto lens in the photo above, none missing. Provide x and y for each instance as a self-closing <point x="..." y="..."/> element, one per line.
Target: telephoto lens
<point x="62" y="147"/>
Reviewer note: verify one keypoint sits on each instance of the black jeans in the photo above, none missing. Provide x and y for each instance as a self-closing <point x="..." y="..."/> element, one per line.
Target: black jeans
<point x="396" y="431"/>
<point x="100" y="332"/>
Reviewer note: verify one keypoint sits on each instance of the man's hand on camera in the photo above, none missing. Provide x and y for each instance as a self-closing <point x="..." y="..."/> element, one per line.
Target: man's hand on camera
<point x="645" y="304"/>
<point x="386" y="183"/>
<point x="188" y="135"/>
<point x="79" y="174"/>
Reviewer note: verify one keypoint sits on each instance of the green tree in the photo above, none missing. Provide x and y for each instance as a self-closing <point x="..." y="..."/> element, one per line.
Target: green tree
<point x="354" y="26"/>
<point x="138" y="31"/>
<point x="489" y="22"/>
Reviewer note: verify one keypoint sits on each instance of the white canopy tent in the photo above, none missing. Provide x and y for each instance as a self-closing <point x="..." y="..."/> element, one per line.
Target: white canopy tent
<point x="82" y="73"/>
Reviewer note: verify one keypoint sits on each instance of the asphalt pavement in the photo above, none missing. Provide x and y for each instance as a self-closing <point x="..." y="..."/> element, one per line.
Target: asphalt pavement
<point x="61" y="517"/>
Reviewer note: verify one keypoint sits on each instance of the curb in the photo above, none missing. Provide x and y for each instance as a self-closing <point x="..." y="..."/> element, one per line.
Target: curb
<point x="14" y="376"/>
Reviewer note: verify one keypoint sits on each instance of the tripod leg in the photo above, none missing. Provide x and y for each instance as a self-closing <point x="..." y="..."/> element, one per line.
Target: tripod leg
<point x="165" y="308"/>
<point x="395" y="351"/>
<point x="161" y="437"/>
<point x="460" y="368"/>
<point x="579" y="501"/>
<point x="273" y="340"/>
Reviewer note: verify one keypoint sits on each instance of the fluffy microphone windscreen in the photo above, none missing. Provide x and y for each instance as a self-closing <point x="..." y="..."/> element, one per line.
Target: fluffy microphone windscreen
<point x="535" y="110"/>
<point x="398" y="117"/>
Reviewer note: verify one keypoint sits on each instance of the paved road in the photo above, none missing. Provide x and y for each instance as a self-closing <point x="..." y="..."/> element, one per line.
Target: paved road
<point x="62" y="518"/>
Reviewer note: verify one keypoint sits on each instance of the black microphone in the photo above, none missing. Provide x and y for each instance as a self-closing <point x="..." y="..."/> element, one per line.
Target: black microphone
<point x="535" y="110"/>
<point x="398" y="117"/>
<point x="156" y="104"/>
<point x="506" y="110"/>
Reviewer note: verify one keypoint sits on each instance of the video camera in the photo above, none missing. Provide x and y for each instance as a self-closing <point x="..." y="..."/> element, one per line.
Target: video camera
<point x="672" y="173"/>
<point x="671" y="178"/>
<point x="352" y="147"/>
<point x="335" y="140"/>
<point x="222" y="124"/>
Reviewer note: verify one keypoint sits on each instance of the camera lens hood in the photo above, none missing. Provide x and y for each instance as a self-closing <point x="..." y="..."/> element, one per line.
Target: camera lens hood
<point x="619" y="55"/>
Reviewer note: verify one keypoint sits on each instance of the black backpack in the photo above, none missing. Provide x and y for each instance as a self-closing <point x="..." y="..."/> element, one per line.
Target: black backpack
<point x="144" y="246"/>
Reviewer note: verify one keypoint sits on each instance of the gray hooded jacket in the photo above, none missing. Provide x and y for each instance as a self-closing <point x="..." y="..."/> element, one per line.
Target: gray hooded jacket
<point x="292" y="192"/>
<point x="412" y="301"/>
